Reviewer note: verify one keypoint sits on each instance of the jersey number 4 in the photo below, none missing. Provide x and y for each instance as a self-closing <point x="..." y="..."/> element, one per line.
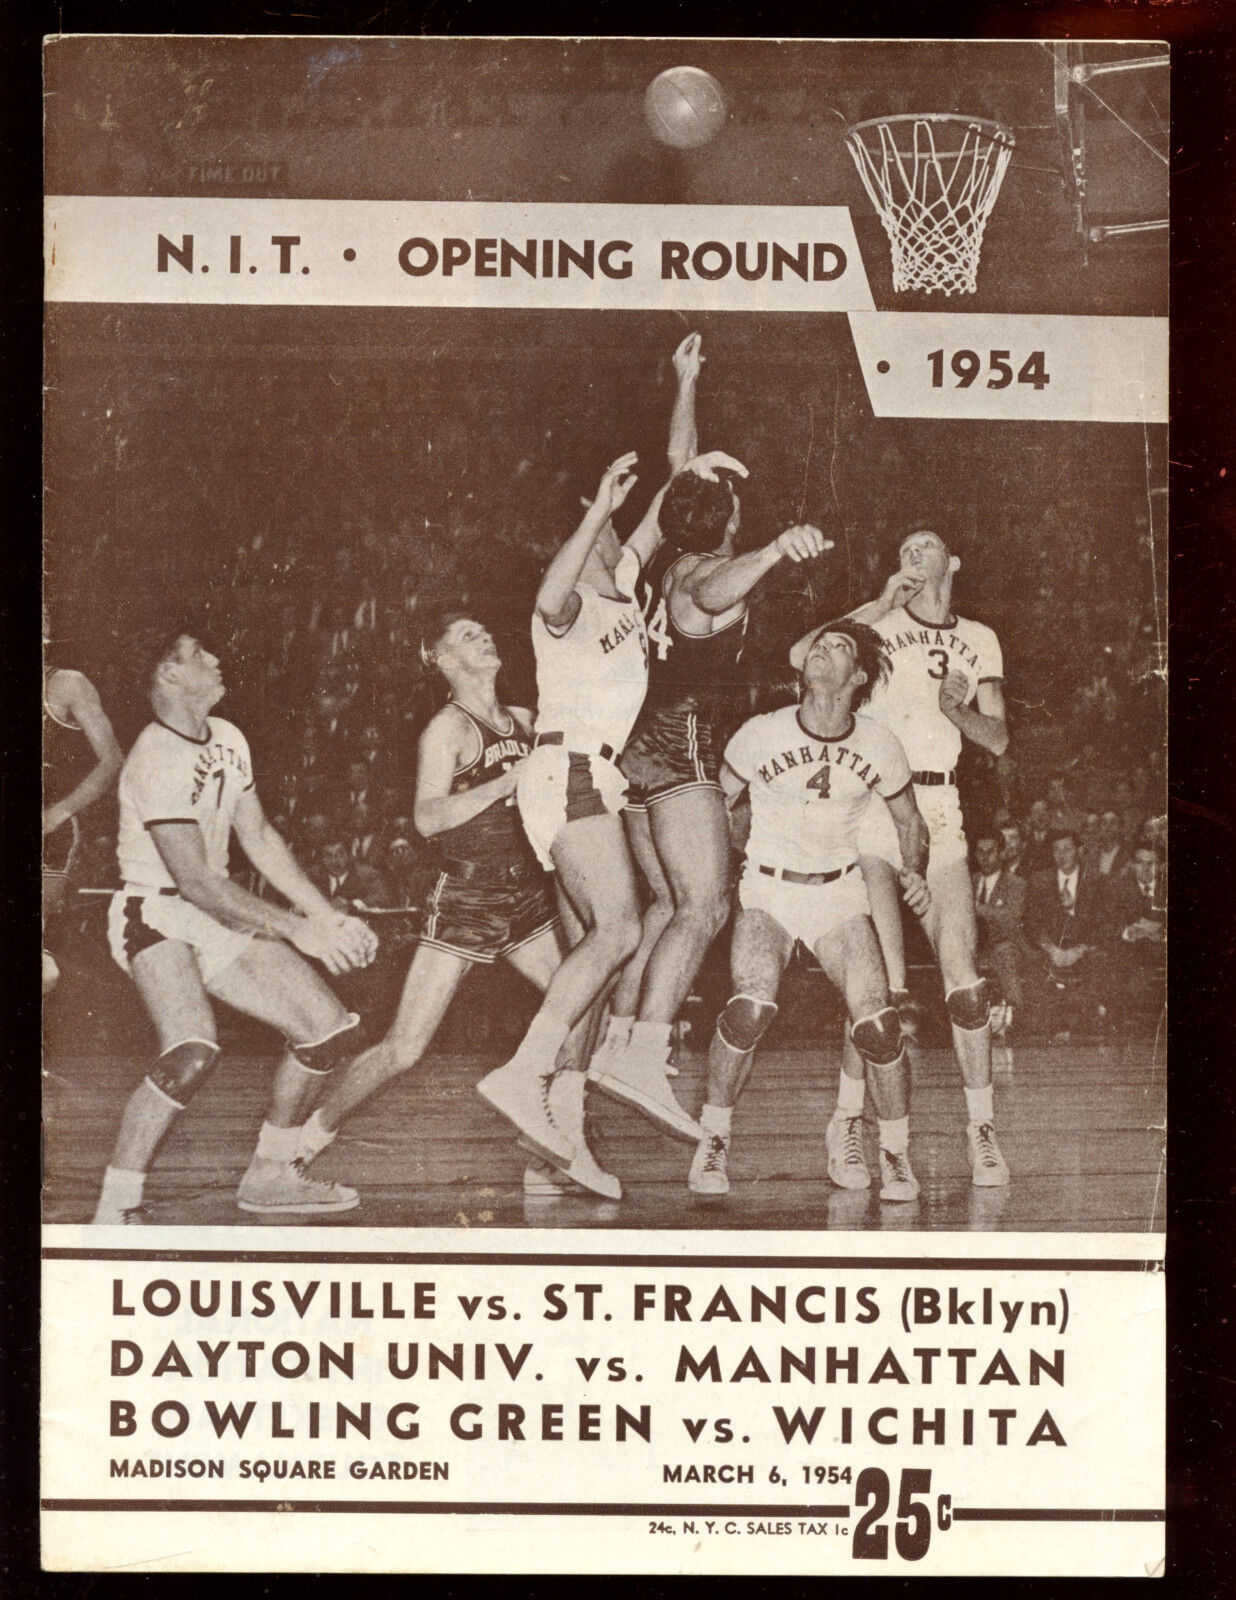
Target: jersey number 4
<point x="821" y="781"/>
<point x="658" y="630"/>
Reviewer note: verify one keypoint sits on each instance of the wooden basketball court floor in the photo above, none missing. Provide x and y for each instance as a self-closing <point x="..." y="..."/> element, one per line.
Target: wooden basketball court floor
<point x="1082" y="1127"/>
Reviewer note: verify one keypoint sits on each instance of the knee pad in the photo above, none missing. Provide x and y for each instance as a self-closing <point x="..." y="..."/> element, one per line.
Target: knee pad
<point x="744" y="1021"/>
<point x="324" y="1055"/>
<point x="878" y="1039"/>
<point x="968" y="1009"/>
<point x="180" y="1072"/>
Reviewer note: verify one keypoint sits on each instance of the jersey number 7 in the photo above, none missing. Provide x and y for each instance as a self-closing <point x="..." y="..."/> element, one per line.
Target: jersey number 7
<point x="821" y="781"/>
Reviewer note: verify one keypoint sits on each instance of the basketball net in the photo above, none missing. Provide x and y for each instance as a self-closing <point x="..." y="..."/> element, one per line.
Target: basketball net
<point x="934" y="203"/>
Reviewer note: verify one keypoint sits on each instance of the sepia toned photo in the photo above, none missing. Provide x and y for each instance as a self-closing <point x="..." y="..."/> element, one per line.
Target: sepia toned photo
<point x="605" y="691"/>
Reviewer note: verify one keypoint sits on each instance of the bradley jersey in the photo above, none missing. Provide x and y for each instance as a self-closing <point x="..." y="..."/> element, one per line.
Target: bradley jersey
<point x="808" y="793"/>
<point x="591" y="680"/>
<point x="169" y="777"/>
<point x="920" y="655"/>
<point x="684" y="665"/>
<point x="494" y="836"/>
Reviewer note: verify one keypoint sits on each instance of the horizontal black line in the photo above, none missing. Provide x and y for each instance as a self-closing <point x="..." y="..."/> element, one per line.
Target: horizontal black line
<point x="438" y="1508"/>
<point x="484" y="1259"/>
<point x="1050" y="1514"/>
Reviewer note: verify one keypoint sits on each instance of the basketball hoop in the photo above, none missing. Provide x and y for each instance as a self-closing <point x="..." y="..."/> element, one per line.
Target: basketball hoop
<point x="934" y="202"/>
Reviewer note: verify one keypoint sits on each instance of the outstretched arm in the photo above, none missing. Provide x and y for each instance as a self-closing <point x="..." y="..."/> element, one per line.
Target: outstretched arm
<point x="718" y="583"/>
<point x="79" y="697"/>
<point x="986" y="726"/>
<point x="557" y="604"/>
<point x="683" y="434"/>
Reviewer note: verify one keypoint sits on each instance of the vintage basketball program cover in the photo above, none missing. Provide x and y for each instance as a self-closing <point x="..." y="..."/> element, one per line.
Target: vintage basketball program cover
<point x="604" y="773"/>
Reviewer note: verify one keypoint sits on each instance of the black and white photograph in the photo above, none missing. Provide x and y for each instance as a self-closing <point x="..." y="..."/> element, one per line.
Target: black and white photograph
<point x="605" y="689"/>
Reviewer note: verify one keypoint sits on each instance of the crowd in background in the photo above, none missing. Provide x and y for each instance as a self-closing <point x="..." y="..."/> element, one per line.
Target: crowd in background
<point x="314" y="607"/>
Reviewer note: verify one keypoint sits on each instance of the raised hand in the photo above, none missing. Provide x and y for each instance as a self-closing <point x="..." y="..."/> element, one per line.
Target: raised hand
<point x="802" y="542"/>
<point x="616" y="484"/>
<point x="914" y="891"/>
<point x="687" y="358"/>
<point x="705" y="466"/>
<point x="953" y="690"/>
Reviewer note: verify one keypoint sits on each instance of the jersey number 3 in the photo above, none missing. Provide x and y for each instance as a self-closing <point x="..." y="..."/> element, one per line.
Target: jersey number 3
<point x="940" y="670"/>
<point x="821" y="781"/>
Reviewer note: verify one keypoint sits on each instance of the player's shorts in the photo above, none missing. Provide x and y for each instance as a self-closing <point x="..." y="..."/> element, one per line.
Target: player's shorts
<point x="941" y="809"/>
<point x="483" y="918"/>
<point x="806" y="911"/>
<point x="672" y="751"/>
<point x="139" y="918"/>
<point x="556" y="786"/>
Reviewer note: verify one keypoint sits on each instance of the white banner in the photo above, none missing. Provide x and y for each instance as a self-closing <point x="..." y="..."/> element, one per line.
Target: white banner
<point x="779" y="1410"/>
<point x="1013" y="368"/>
<point x="484" y="254"/>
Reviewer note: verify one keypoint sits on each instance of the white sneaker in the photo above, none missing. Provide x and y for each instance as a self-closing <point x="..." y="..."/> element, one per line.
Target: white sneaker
<point x="643" y="1082"/>
<point x="566" y="1109"/>
<point x="988" y="1168"/>
<point x="284" y="1187"/>
<point x="847" y="1166"/>
<point x="708" y="1173"/>
<point x="522" y="1097"/>
<point x="897" y="1180"/>
<point x="544" y="1182"/>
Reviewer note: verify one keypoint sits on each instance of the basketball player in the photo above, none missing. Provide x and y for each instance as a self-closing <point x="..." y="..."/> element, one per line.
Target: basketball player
<point x="491" y="900"/>
<point x="186" y="933"/>
<point x="945" y="684"/>
<point x="591" y="648"/>
<point x="811" y="771"/>
<point x="80" y="761"/>
<point x="694" y="596"/>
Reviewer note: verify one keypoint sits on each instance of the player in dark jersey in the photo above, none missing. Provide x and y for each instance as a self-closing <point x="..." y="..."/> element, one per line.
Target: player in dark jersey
<point x="491" y="899"/>
<point x="695" y="601"/>
<point x="81" y="759"/>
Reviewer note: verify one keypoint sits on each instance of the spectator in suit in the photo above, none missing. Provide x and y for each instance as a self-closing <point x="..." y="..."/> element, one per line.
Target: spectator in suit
<point x="1013" y="848"/>
<point x="344" y="881"/>
<point x="1000" y="906"/>
<point x="1110" y="856"/>
<point x="1138" y="895"/>
<point x="1067" y="919"/>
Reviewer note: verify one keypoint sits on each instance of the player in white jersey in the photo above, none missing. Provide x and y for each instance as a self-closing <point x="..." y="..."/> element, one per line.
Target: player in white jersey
<point x="945" y="684"/>
<point x="811" y="770"/>
<point x="185" y="932"/>
<point x="592" y="672"/>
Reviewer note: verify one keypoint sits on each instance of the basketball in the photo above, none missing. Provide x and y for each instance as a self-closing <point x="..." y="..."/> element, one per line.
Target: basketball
<point x="684" y="107"/>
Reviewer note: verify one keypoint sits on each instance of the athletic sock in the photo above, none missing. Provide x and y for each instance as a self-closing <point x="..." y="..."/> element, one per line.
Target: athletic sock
<point x="716" y="1119"/>
<point x="617" y="1032"/>
<point x="315" y="1136"/>
<point x="651" y="1040"/>
<point x="278" y="1144"/>
<point x="539" y="1050"/>
<point x="895" y="1135"/>
<point x="122" y="1188"/>
<point x="851" y="1093"/>
<point x="980" y="1106"/>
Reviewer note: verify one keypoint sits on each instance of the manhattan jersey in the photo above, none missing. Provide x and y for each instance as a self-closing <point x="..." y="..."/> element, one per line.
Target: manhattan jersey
<point x="169" y="777"/>
<point x="920" y="654"/>
<point x="808" y="793"/>
<point x="494" y="837"/>
<point x="591" y="680"/>
<point x="684" y="666"/>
